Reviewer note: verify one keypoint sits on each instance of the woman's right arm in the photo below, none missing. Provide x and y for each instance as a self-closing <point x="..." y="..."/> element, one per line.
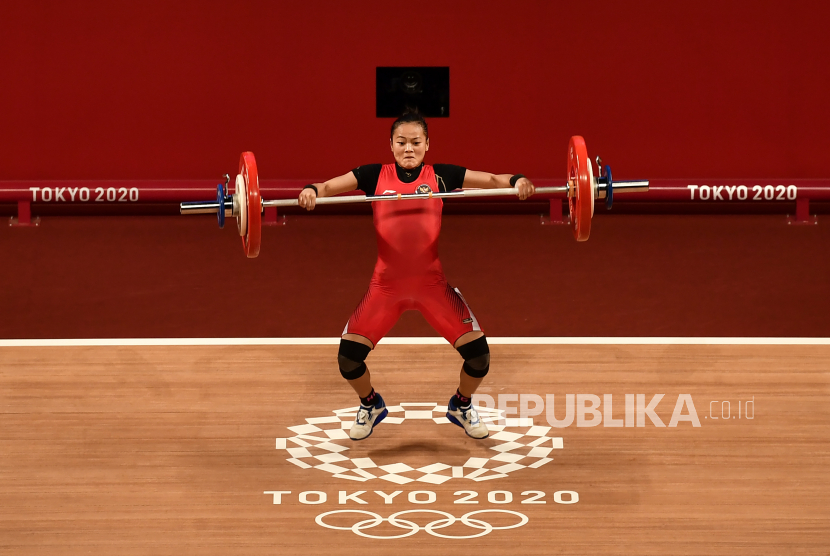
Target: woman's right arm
<point x="334" y="186"/>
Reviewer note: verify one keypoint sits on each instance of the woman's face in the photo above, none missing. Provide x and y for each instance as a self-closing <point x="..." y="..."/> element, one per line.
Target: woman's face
<point x="409" y="145"/>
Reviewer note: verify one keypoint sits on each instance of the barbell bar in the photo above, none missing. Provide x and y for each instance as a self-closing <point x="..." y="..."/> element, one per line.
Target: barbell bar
<point x="582" y="190"/>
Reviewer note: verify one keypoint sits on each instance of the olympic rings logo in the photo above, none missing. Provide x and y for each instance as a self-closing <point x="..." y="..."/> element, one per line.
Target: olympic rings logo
<point x="449" y="519"/>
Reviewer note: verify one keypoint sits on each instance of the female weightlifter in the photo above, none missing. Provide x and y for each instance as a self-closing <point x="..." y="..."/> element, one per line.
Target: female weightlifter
<point x="408" y="274"/>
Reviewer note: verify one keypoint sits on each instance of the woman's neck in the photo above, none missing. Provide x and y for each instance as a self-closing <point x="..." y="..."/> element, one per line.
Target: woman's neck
<point x="408" y="175"/>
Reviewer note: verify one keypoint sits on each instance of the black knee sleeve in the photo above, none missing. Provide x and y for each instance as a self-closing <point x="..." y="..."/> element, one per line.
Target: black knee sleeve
<point x="351" y="359"/>
<point x="476" y="356"/>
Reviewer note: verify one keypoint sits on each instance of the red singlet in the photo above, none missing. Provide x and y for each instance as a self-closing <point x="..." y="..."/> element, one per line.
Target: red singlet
<point x="408" y="274"/>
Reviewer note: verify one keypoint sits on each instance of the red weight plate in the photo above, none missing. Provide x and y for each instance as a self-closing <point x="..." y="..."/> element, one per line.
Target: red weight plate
<point x="580" y="201"/>
<point x="253" y="238"/>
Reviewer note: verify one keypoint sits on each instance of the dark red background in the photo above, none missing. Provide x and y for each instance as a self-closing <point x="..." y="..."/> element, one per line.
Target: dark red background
<point x="159" y="89"/>
<point x="638" y="275"/>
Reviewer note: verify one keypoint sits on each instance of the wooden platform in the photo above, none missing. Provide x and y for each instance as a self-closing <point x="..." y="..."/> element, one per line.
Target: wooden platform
<point x="174" y="450"/>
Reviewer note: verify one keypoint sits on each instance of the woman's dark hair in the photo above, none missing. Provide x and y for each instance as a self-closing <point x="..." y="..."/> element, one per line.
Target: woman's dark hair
<point x="409" y="116"/>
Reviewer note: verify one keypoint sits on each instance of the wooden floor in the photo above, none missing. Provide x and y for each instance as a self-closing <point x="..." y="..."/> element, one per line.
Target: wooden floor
<point x="171" y="450"/>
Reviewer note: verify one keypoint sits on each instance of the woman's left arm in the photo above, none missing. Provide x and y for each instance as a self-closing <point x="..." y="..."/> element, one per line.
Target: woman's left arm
<point x="484" y="180"/>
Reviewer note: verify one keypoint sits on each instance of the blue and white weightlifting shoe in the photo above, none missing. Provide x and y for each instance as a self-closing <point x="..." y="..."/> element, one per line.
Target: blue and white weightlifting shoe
<point x="467" y="418"/>
<point x="366" y="419"/>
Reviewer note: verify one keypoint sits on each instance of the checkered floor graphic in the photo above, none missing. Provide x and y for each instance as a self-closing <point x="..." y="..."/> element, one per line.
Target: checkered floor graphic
<point x="323" y="443"/>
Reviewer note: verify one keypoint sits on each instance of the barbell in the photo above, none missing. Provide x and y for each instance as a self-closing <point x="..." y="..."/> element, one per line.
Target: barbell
<point x="246" y="205"/>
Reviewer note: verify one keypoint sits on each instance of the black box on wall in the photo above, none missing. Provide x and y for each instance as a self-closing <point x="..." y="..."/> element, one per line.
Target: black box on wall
<point x="424" y="88"/>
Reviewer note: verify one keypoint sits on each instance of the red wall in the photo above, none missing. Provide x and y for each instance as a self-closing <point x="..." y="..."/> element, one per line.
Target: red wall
<point x="103" y="89"/>
<point x="654" y="275"/>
